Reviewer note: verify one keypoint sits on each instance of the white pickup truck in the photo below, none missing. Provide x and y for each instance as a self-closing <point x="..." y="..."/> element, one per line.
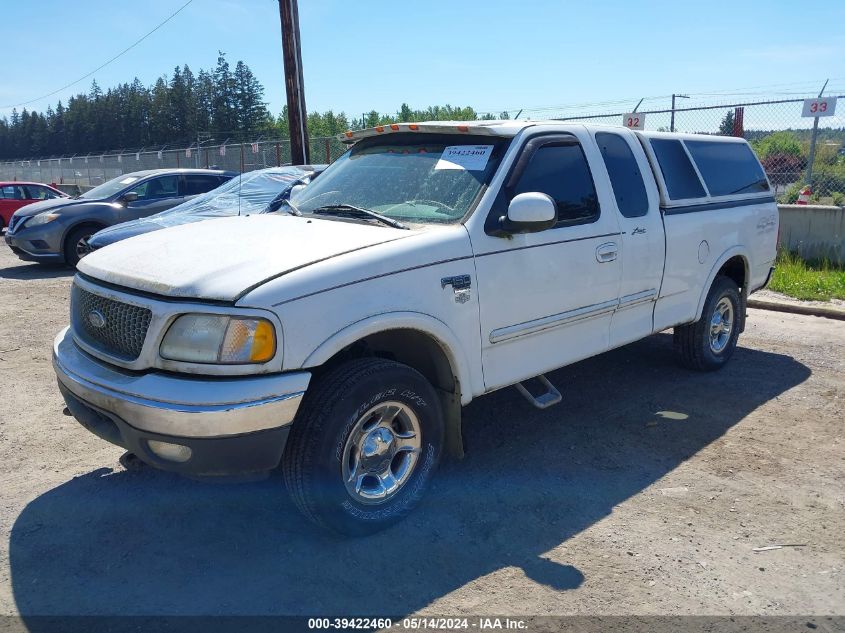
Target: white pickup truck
<point x="431" y="264"/>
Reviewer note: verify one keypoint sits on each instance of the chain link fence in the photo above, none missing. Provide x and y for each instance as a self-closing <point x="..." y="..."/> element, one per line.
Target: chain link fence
<point x="90" y="170"/>
<point x="775" y="128"/>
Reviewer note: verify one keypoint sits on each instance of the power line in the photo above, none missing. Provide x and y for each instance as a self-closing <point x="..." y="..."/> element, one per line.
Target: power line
<point x="99" y="68"/>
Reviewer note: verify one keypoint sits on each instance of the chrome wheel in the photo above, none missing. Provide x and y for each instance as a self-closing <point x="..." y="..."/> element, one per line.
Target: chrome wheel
<point x="721" y="325"/>
<point x="82" y="246"/>
<point x="381" y="452"/>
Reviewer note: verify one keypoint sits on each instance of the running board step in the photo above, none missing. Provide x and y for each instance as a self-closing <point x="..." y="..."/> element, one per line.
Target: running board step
<point x="545" y="400"/>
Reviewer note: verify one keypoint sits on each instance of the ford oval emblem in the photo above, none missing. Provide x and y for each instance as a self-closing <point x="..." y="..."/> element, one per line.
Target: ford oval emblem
<point x="96" y="319"/>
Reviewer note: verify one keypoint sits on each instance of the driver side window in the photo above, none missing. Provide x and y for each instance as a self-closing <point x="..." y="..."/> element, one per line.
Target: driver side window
<point x="561" y="171"/>
<point x="157" y="188"/>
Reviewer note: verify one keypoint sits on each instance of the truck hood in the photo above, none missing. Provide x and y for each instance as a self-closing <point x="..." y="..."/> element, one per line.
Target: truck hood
<point x="222" y="259"/>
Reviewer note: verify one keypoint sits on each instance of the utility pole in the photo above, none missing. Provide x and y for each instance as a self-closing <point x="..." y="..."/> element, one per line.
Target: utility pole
<point x="292" y="56"/>
<point x="812" y="157"/>
<point x="672" y="122"/>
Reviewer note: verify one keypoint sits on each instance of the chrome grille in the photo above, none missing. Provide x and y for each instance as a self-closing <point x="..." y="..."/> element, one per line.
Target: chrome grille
<point x="123" y="326"/>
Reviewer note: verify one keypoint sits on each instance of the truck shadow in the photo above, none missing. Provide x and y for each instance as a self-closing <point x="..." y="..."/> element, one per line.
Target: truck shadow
<point x="151" y="543"/>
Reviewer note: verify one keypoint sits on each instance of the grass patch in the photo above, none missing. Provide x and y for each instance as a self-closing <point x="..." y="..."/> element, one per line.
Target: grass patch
<point x="817" y="281"/>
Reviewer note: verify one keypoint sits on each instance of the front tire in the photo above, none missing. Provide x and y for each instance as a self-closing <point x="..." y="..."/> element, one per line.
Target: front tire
<point x="709" y="343"/>
<point x="76" y="244"/>
<point x="364" y="446"/>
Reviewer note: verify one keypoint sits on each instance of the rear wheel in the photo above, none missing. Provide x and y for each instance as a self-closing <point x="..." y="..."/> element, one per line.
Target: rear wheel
<point x="76" y="244"/>
<point x="709" y="343"/>
<point x="364" y="446"/>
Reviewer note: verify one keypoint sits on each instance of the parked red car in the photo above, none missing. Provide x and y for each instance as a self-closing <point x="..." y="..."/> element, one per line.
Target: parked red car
<point x="14" y="195"/>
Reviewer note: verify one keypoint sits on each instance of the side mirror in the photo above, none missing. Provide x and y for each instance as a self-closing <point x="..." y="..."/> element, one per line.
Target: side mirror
<point x="530" y="212"/>
<point x="295" y="190"/>
<point x="128" y="197"/>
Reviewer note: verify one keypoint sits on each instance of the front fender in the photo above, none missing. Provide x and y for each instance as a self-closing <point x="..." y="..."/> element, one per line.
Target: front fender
<point x="419" y="321"/>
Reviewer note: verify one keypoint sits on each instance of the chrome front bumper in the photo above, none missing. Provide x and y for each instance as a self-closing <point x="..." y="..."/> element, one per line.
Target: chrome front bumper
<point x="160" y="406"/>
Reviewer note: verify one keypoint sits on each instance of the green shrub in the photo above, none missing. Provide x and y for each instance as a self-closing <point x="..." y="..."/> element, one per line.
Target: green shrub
<point x="838" y="198"/>
<point x="790" y="196"/>
<point x="828" y="178"/>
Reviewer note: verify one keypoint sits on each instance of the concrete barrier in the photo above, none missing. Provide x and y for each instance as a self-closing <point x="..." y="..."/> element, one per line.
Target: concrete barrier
<point x="813" y="231"/>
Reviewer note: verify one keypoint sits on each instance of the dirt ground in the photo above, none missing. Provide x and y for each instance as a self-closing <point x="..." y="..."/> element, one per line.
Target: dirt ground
<point x="644" y="492"/>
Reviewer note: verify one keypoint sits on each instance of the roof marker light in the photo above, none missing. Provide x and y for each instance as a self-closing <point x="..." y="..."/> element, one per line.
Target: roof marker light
<point x="394" y="127"/>
<point x="349" y="134"/>
<point x="379" y="129"/>
<point x="463" y="128"/>
<point x="414" y="127"/>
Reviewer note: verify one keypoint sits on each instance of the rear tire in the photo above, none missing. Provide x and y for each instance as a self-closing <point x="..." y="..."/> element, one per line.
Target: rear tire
<point x="76" y="244"/>
<point x="709" y="343"/>
<point x="364" y="446"/>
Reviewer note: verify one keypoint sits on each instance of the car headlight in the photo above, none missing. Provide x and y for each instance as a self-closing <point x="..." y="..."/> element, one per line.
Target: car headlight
<point x="212" y="338"/>
<point x="41" y="218"/>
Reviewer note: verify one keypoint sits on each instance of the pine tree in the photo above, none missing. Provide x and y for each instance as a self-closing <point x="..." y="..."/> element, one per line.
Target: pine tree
<point x="224" y="115"/>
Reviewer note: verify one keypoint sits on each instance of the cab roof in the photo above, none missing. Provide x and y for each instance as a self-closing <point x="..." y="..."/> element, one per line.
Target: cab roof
<point x="506" y="128"/>
<point x="484" y="128"/>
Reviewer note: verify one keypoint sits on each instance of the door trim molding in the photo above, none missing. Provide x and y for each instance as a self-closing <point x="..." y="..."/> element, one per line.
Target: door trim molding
<point x="553" y="321"/>
<point x="629" y="301"/>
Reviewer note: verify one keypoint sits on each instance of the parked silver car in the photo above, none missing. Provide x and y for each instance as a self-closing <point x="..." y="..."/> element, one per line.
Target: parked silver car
<point x="259" y="191"/>
<point x="58" y="230"/>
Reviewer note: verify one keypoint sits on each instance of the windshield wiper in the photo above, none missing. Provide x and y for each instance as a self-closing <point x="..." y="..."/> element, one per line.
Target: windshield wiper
<point x="351" y="210"/>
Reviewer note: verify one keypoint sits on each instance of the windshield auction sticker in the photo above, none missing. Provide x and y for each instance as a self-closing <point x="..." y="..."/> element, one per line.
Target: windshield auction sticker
<point x="465" y="157"/>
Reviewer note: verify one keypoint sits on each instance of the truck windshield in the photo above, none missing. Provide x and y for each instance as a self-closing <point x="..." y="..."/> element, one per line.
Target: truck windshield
<point x="413" y="178"/>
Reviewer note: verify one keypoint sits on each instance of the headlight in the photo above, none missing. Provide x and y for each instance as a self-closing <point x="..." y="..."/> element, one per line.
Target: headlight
<point x="211" y="338"/>
<point x="41" y="218"/>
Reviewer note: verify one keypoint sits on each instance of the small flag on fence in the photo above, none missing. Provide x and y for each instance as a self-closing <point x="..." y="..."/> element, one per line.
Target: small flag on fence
<point x="255" y="148"/>
<point x="222" y="150"/>
<point x="159" y="154"/>
<point x="86" y="160"/>
<point x="120" y="158"/>
<point x="137" y="155"/>
<point x="39" y="163"/>
<point x="187" y="152"/>
<point x="102" y="157"/>
<point x="60" y="161"/>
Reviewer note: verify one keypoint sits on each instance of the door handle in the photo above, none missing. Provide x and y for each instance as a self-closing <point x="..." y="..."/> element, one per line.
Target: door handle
<point x="606" y="252"/>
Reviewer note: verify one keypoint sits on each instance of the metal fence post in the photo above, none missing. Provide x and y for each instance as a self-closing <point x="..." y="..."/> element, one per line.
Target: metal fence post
<point x="812" y="156"/>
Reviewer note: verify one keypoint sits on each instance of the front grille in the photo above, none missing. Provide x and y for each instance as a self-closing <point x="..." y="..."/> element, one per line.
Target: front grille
<point x="14" y="223"/>
<point x="122" y="326"/>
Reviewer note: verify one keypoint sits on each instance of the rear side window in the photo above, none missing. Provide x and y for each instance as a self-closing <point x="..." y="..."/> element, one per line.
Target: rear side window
<point x="196" y="184"/>
<point x="625" y="176"/>
<point x="11" y="192"/>
<point x="561" y="171"/>
<point x="728" y="168"/>
<point x="678" y="173"/>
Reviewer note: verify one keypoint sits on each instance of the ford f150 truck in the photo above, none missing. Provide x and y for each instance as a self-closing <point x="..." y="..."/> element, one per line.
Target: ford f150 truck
<point x="431" y="264"/>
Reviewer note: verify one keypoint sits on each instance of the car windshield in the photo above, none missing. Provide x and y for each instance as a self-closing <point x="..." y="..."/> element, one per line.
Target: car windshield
<point x="252" y="192"/>
<point x="413" y="178"/>
<point x="110" y="187"/>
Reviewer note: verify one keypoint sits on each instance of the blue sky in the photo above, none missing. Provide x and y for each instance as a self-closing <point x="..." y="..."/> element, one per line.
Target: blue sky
<point x="491" y="55"/>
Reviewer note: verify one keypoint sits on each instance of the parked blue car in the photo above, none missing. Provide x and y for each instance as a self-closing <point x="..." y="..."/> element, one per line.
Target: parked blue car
<point x="259" y="191"/>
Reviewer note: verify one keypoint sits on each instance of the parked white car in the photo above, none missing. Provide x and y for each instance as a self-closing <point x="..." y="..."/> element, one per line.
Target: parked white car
<point x="431" y="264"/>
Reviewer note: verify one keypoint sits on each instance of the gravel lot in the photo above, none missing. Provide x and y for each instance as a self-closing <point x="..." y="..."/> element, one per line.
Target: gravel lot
<point x="645" y="492"/>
